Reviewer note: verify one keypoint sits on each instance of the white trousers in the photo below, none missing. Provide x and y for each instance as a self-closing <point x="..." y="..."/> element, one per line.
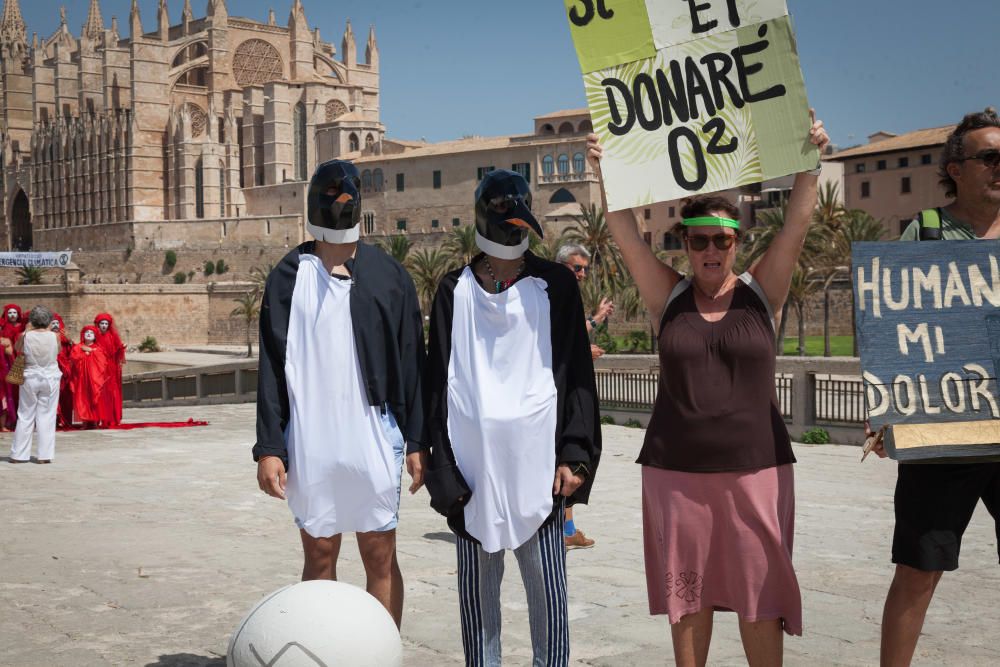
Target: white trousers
<point x="37" y="406"/>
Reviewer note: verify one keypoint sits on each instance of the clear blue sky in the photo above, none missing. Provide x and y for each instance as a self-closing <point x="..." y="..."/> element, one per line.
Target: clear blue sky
<point x="456" y="67"/>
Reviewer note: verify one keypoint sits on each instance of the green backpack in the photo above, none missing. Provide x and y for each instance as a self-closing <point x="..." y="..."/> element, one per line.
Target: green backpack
<point x="930" y="224"/>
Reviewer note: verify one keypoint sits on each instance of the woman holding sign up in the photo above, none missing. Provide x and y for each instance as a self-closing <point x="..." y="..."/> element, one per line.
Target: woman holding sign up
<point x="718" y="489"/>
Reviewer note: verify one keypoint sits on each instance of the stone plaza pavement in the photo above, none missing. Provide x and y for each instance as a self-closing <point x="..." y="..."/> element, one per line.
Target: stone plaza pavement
<point x="146" y="547"/>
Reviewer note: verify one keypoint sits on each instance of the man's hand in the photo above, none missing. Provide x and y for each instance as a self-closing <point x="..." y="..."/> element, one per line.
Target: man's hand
<point x="596" y="351"/>
<point x="873" y="442"/>
<point x="271" y="476"/>
<point x="415" y="464"/>
<point x="604" y="310"/>
<point x="566" y="483"/>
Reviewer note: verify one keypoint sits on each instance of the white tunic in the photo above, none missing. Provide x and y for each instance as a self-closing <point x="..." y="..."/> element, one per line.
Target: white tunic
<point x="502" y="408"/>
<point x="343" y="475"/>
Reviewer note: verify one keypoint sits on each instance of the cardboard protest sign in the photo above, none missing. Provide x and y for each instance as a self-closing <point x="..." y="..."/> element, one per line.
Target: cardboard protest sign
<point x="929" y="335"/>
<point x="715" y="101"/>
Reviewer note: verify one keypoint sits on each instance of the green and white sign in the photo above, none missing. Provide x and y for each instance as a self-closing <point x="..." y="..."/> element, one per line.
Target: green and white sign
<point x="691" y="96"/>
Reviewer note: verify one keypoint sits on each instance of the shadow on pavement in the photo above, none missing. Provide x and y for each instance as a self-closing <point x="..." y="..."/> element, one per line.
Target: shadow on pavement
<point x="188" y="660"/>
<point x="441" y="537"/>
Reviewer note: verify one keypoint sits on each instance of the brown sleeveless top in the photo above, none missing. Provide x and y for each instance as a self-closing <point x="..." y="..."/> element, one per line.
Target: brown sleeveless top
<point x="717" y="409"/>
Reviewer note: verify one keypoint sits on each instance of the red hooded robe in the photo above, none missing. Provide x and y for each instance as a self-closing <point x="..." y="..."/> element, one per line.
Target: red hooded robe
<point x="90" y="378"/>
<point x="8" y="392"/>
<point x="114" y="348"/>
<point x="64" y="418"/>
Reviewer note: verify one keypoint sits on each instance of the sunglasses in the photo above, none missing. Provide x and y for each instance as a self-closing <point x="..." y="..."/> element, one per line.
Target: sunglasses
<point x="990" y="158"/>
<point x="580" y="268"/>
<point x="699" y="242"/>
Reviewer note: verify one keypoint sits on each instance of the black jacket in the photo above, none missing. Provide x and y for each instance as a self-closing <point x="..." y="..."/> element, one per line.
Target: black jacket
<point x="388" y="332"/>
<point x="578" y="431"/>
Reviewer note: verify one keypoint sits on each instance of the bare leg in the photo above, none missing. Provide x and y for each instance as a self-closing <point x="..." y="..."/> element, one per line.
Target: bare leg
<point x="903" y="616"/>
<point x="692" y="636"/>
<point x="320" y="556"/>
<point x="384" y="580"/>
<point x="763" y="642"/>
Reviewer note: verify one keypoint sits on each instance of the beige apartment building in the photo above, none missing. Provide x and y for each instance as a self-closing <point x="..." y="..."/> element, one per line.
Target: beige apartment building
<point x="893" y="177"/>
<point x="424" y="189"/>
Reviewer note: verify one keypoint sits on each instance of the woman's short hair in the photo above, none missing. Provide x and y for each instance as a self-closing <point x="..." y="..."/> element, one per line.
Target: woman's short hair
<point x="40" y="317"/>
<point x="954" y="145"/>
<point x="571" y="250"/>
<point x="700" y="207"/>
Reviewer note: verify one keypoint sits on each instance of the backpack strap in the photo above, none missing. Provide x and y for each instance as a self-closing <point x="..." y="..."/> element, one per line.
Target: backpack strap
<point x="930" y="224"/>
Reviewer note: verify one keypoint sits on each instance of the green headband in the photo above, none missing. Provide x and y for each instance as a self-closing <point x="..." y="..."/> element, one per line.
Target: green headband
<point x="711" y="222"/>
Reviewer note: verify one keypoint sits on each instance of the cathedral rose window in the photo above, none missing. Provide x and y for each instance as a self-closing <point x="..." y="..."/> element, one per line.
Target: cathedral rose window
<point x="256" y="62"/>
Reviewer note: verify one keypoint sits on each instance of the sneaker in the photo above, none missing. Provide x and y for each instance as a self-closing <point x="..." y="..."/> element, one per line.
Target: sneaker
<point x="578" y="541"/>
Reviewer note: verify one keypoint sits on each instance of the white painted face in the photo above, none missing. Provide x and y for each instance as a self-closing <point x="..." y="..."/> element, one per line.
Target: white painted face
<point x="103" y="325"/>
<point x="11" y="315"/>
<point x="89" y="337"/>
<point x="54" y="326"/>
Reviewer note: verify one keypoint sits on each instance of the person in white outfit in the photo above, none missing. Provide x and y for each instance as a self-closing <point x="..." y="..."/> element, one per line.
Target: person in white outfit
<point x="40" y="391"/>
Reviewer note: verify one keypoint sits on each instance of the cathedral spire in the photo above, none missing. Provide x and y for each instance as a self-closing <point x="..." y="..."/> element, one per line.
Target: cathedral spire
<point x="12" y="28"/>
<point x="371" y="51"/>
<point x="349" y="51"/>
<point x="187" y="15"/>
<point x="134" y="22"/>
<point x="95" y="24"/>
<point x="217" y="8"/>
<point x="163" y="21"/>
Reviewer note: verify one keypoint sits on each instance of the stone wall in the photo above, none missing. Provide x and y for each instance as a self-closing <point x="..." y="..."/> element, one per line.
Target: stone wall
<point x="841" y="323"/>
<point x="173" y="314"/>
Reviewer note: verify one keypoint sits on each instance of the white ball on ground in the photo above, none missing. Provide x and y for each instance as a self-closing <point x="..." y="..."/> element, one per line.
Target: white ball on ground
<point x="316" y="624"/>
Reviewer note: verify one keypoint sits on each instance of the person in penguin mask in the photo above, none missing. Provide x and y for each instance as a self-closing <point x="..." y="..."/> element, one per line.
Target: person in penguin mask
<point x="338" y="395"/>
<point x="511" y="421"/>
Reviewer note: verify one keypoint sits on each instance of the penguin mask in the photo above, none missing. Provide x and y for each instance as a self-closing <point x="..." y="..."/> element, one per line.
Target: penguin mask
<point x="503" y="215"/>
<point x="334" y="202"/>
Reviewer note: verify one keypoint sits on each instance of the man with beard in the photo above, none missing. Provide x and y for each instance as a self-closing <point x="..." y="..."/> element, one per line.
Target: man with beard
<point x="114" y="348"/>
<point x="512" y="421"/>
<point x="338" y="395"/>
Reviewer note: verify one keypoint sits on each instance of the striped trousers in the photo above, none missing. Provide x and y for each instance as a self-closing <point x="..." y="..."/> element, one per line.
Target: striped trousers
<point x="542" y="561"/>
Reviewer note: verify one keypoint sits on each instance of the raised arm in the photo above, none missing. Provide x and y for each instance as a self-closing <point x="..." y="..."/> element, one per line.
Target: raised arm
<point x="775" y="268"/>
<point x="654" y="279"/>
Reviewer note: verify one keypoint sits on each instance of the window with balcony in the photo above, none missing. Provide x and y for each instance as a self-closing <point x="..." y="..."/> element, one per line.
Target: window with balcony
<point x="579" y="163"/>
<point x="563" y="164"/>
<point x="548" y="165"/>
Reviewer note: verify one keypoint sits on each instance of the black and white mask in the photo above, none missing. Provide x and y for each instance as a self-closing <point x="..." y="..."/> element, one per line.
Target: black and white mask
<point x="503" y="214"/>
<point x="334" y="202"/>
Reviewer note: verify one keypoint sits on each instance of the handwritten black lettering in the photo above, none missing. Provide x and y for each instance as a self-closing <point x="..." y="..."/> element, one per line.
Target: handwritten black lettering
<point x="619" y="126"/>
<point x="701" y="168"/>
<point x="745" y="71"/>
<point x="715" y="147"/>
<point x="697" y="27"/>
<point x="644" y="84"/>
<point x="590" y="11"/>
<point x="672" y="96"/>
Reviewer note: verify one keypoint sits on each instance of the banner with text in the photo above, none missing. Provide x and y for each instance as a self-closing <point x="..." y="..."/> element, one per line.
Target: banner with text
<point x="691" y="96"/>
<point x="44" y="260"/>
<point x="928" y="331"/>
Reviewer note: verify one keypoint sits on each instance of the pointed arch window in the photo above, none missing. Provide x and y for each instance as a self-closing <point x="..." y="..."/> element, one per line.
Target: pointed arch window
<point x="299" y="145"/>
<point x="369" y="141"/>
<point x="199" y="190"/>
<point x="355" y="143"/>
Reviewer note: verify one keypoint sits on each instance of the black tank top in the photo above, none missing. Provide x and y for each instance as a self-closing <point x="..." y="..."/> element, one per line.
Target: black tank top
<point x="717" y="409"/>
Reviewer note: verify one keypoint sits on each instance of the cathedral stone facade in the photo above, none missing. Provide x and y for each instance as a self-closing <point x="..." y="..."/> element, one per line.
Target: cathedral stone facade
<point x="137" y="141"/>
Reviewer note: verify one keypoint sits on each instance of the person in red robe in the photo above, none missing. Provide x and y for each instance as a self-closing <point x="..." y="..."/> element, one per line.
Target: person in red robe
<point x="90" y="377"/>
<point x="11" y="329"/>
<point x="114" y="348"/>
<point x="64" y="414"/>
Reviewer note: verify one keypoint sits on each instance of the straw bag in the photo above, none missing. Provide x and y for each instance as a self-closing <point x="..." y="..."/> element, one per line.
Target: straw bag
<point x="16" y="373"/>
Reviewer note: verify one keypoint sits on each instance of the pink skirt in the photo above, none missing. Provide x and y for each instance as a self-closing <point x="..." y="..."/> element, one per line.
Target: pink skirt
<point x="722" y="541"/>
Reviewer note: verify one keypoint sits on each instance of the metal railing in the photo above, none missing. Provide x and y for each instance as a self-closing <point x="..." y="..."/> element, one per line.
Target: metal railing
<point x="619" y="389"/>
<point x="838" y="400"/>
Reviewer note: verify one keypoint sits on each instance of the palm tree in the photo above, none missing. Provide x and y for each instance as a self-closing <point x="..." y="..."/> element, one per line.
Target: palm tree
<point x="428" y="267"/>
<point x="856" y="226"/>
<point x="249" y="310"/>
<point x="591" y="231"/>
<point x="398" y="247"/>
<point x="30" y="275"/>
<point x="258" y="277"/>
<point x="460" y="245"/>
